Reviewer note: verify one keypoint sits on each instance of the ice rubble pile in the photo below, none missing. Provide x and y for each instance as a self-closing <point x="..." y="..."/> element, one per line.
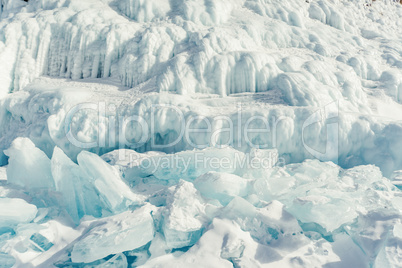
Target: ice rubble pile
<point x="64" y="206"/>
<point x="150" y="209"/>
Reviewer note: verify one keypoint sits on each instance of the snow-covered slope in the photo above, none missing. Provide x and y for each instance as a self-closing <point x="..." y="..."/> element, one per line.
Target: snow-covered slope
<point x="316" y="79"/>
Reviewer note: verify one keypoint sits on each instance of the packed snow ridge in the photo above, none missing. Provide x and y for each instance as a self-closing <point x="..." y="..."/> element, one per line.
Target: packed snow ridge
<point x="217" y="133"/>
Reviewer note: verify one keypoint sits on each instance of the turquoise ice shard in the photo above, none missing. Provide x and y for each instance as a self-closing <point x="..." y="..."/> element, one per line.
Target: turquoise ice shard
<point x="114" y="192"/>
<point x="41" y="242"/>
<point x="78" y="196"/>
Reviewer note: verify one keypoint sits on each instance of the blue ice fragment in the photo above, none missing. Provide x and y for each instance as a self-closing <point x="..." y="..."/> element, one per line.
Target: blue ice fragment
<point x="42" y="242"/>
<point x="6" y="260"/>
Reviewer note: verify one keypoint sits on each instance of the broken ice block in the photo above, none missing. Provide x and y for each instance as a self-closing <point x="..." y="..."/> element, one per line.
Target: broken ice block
<point x="14" y="211"/>
<point x="221" y="186"/>
<point x="116" y="194"/>
<point x="184" y="217"/>
<point x="79" y="196"/>
<point x="6" y="261"/>
<point x="126" y="231"/>
<point x="188" y="164"/>
<point x="41" y="242"/>
<point x="28" y="165"/>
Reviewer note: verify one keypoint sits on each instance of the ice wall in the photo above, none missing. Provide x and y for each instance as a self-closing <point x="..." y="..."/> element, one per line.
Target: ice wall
<point x="188" y="46"/>
<point x="368" y="135"/>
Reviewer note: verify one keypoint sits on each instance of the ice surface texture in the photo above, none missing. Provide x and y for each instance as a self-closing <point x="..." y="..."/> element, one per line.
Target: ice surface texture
<point x="289" y="62"/>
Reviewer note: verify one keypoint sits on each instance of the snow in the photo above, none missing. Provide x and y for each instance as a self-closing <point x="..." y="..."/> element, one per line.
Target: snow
<point x="217" y="133"/>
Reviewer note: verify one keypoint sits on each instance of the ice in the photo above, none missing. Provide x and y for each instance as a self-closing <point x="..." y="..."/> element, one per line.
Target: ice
<point x="144" y="11"/>
<point x="221" y="186"/>
<point x="371" y="232"/>
<point x="187" y="164"/>
<point x="119" y="260"/>
<point x="318" y="81"/>
<point x="184" y="216"/>
<point x="10" y="5"/>
<point x="270" y="224"/>
<point x="28" y="165"/>
<point x="330" y="197"/>
<point x="6" y="261"/>
<point x="208" y="250"/>
<point x="126" y="231"/>
<point x="14" y="211"/>
<point x="359" y="138"/>
<point x="41" y="242"/>
<point x="114" y="193"/>
<point x="92" y="46"/>
<point x="397" y="231"/>
<point x="158" y="246"/>
<point x="304" y="213"/>
<point x="79" y="196"/>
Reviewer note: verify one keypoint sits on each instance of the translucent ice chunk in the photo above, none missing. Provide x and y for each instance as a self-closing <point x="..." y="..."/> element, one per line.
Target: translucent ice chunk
<point x="330" y="213"/>
<point x="114" y="192"/>
<point x="271" y="224"/>
<point x="79" y="196"/>
<point x="15" y="210"/>
<point x="221" y="186"/>
<point x="126" y="231"/>
<point x="28" y="165"/>
<point x="41" y="242"/>
<point x="184" y="217"/>
<point x="117" y="261"/>
<point x="6" y="261"/>
<point x="188" y="164"/>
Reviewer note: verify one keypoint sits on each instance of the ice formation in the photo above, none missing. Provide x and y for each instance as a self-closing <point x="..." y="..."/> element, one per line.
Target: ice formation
<point x="122" y="133"/>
